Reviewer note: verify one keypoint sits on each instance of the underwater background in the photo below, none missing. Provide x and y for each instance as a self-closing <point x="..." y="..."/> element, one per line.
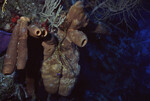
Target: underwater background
<point x="115" y="63"/>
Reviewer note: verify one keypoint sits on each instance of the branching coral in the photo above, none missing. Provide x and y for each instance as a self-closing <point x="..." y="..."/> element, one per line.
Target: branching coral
<point x="3" y="7"/>
<point x="115" y="6"/>
<point x="48" y="12"/>
<point x="122" y="10"/>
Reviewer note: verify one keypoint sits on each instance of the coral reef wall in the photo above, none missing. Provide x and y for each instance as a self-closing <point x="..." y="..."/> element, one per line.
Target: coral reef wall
<point x="115" y="63"/>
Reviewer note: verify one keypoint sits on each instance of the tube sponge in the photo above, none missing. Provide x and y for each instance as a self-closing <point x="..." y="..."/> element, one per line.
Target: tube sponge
<point x="22" y="43"/>
<point x="61" y="69"/>
<point x="11" y="54"/>
<point x="77" y="37"/>
<point x="17" y="48"/>
<point x="34" y="31"/>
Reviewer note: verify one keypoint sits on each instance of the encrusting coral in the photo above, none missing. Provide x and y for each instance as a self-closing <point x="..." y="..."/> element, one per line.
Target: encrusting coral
<point x="60" y="71"/>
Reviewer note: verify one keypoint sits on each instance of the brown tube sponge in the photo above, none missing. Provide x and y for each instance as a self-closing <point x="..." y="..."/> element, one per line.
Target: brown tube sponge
<point x="22" y="43"/>
<point x="61" y="69"/>
<point x="22" y="54"/>
<point x="17" y="48"/>
<point x="50" y="74"/>
<point x="11" y="54"/>
<point x="49" y="45"/>
<point x="34" y="31"/>
<point x="76" y="16"/>
<point x="75" y="11"/>
<point x="77" y="37"/>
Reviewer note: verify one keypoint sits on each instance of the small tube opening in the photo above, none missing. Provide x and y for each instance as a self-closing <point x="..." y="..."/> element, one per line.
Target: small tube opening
<point x="44" y="33"/>
<point x="6" y="73"/>
<point x="38" y="32"/>
<point x="83" y="43"/>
